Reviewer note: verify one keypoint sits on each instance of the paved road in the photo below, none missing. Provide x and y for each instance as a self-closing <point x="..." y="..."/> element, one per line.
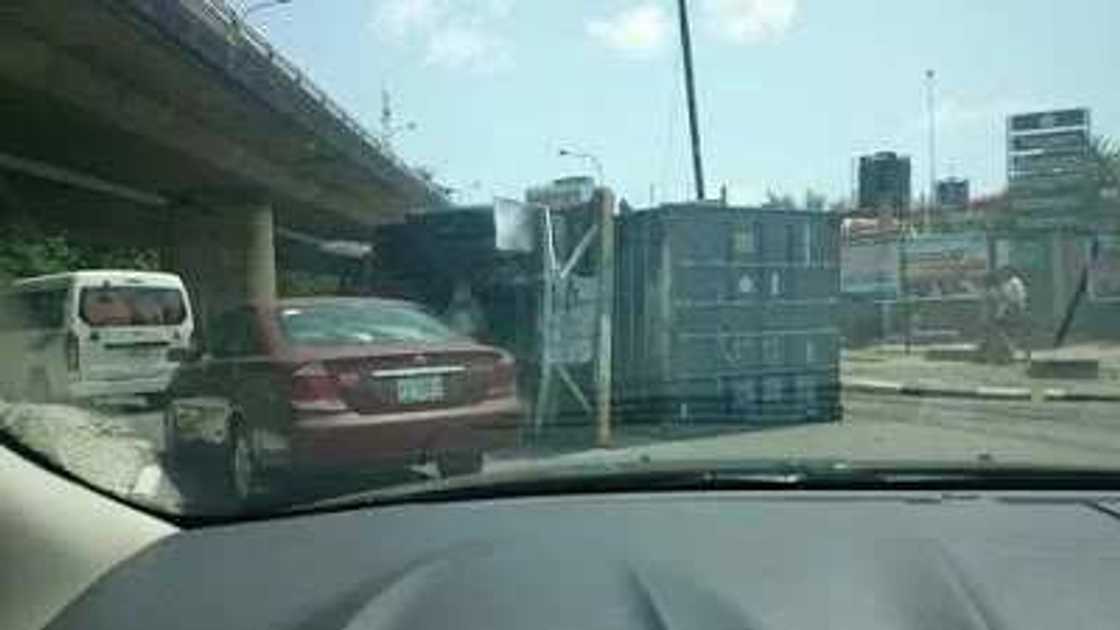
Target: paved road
<point x="875" y="427"/>
<point x="913" y="429"/>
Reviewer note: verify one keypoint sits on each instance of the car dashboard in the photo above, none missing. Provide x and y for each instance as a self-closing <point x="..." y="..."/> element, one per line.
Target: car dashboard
<point x="637" y="561"/>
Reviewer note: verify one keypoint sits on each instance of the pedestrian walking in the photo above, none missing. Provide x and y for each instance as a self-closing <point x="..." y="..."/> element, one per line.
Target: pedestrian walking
<point x="995" y="347"/>
<point x="1013" y="314"/>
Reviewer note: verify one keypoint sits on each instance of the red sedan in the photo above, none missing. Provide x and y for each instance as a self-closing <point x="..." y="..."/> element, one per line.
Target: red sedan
<point x="340" y="383"/>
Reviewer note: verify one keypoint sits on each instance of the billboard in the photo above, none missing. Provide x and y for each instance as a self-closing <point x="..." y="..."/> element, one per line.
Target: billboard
<point x="946" y="265"/>
<point x="937" y="265"/>
<point x="563" y="193"/>
<point x="869" y="268"/>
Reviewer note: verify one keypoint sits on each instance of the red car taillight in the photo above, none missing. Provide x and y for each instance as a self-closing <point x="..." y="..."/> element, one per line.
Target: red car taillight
<point x="315" y="389"/>
<point x="503" y="379"/>
<point x="73" y="355"/>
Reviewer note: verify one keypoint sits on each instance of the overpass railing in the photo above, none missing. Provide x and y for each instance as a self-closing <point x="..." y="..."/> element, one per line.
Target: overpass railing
<point x="230" y="20"/>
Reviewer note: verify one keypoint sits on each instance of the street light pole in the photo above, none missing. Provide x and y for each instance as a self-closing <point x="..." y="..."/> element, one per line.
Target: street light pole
<point x="388" y="129"/>
<point x="904" y="284"/>
<point x="930" y="78"/>
<point x="590" y="158"/>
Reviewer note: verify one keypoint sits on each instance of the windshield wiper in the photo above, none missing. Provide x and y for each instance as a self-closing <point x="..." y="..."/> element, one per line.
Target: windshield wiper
<point x="828" y="475"/>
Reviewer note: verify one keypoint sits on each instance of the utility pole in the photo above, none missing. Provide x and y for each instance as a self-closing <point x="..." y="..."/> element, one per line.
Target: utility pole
<point x="690" y="93"/>
<point x="605" y="363"/>
<point x="930" y="77"/>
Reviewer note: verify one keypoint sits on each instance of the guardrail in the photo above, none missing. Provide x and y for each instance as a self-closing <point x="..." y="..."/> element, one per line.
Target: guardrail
<point x="229" y="18"/>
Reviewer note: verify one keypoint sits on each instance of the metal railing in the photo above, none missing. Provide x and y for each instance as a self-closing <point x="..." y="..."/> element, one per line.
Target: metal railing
<point x="242" y="33"/>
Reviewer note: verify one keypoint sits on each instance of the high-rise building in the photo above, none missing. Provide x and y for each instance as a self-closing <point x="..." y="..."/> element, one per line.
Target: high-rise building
<point x="952" y="193"/>
<point x="884" y="183"/>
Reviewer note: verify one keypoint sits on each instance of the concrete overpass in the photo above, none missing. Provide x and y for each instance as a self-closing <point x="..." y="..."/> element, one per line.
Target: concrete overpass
<point x="168" y="123"/>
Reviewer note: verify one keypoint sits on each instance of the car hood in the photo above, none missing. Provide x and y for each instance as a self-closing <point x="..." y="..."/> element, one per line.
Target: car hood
<point x="712" y="560"/>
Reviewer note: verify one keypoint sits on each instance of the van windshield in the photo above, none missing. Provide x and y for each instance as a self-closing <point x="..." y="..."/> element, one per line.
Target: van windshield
<point x="132" y="306"/>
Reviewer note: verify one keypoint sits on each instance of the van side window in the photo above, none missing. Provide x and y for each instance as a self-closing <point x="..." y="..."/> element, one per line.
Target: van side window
<point x="35" y="310"/>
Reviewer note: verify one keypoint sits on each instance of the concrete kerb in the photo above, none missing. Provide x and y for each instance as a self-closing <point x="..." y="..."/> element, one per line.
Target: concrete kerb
<point x="873" y="387"/>
<point x="937" y="391"/>
<point x="1064" y="395"/>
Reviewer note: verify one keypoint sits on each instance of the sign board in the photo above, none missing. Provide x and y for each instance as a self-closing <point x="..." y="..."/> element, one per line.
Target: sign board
<point x="1074" y="140"/>
<point x="563" y="193"/>
<point x="1047" y="156"/>
<point x="516" y="226"/>
<point x="1054" y="119"/>
<point x="1104" y="272"/>
<point x="946" y="265"/>
<point x="869" y="268"/>
<point x="1057" y="204"/>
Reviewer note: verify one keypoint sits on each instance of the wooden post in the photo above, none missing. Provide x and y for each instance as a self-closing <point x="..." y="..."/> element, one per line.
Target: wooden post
<point x="606" y="316"/>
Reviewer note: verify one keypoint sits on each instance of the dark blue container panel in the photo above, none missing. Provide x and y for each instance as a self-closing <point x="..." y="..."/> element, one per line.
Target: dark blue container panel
<point x="727" y="314"/>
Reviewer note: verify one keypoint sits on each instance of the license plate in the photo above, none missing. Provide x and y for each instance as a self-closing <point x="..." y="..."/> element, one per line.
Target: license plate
<point x="420" y="389"/>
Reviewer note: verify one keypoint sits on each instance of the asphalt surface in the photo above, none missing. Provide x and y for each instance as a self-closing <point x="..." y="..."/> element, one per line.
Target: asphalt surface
<point x="120" y="447"/>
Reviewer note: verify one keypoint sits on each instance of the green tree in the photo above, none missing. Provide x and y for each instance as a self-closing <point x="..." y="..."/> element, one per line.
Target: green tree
<point x="779" y="201"/>
<point x="26" y="250"/>
<point x="815" y="201"/>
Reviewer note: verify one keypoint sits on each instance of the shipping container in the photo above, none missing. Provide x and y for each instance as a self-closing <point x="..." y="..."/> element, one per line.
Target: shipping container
<point x="727" y="315"/>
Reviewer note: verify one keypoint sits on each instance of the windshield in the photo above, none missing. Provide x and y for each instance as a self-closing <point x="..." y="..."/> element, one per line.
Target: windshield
<point x="365" y="323"/>
<point x="423" y="240"/>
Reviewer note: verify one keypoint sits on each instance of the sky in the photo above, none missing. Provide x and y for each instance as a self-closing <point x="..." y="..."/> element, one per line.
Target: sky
<point x="790" y="91"/>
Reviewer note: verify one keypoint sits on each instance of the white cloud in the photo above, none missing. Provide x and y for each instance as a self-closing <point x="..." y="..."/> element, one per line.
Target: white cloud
<point x="400" y="18"/>
<point x="638" y="31"/>
<point x="453" y="34"/>
<point x="749" y="21"/>
<point x="457" y="47"/>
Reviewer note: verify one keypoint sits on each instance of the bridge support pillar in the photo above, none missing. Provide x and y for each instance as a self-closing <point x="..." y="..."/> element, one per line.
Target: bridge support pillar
<point x="225" y="254"/>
